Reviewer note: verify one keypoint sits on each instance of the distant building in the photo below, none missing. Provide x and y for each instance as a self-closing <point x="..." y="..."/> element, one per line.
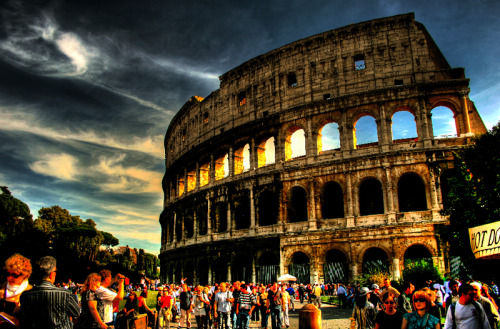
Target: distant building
<point x="268" y="175"/>
<point x="120" y="250"/>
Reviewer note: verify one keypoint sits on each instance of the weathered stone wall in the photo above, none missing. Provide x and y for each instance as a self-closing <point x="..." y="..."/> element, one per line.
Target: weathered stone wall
<point x="374" y="204"/>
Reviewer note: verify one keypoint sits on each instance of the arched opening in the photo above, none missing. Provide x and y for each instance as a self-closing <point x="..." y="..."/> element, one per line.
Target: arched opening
<point x="204" y="174"/>
<point x="191" y="178"/>
<point x="295" y="143"/>
<point x="189" y="224"/>
<point x="300" y="268"/>
<point x="178" y="228"/>
<point x="181" y="185"/>
<point x="371" y="199"/>
<point x="375" y="259"/>
<point x="417" y="253"/>
<point x="221" y="167"/>
<point x="404" y="127"/>
<point x="445" y="186"/>
<point x="329" y="137"/>
<point x="189" y="271"/>
<point x="241" y="211"/>
<point x="411" y="193"/>
<point x="170" y="231"/>
<point x="443" y="122"/>
<point x="332" y="201"/>
<point x="268" y="208"/>
<point x="268" y="269"/>
<point x="297" y="205"/>
<point x="241" y="268"/>
<point x="202" y="272"/>
<point x="202" y="218"/>
<point x="242" y="159"/>
<point x="219" y="270"/>
<point x="219" y="217"/>
<point x="266" y="153"/>
<point x="335" y="267"/>
<point x="365" y="132"/>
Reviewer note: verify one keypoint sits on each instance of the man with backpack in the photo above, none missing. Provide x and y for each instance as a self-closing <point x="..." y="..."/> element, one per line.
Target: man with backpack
<point x="185" y="298"/>
<point x="466" y="313"/>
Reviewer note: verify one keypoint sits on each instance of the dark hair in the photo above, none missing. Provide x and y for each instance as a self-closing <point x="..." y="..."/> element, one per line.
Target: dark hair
<point x="464" y="289"/>
<point x="406" y="285"/>
<point x="144" y="294"/>
<point x="387" y="295"/>
<point x="452" y="283"/>
<point x="46" y="265"/>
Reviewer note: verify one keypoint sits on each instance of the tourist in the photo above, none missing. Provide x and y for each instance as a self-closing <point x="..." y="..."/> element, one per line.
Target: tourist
<point x="18" y="270"/>
<point x="489" y="308"/>
<point x="452" y="296"/>
<point x="92" y="316"/>
<point x="186" y="306"/>
<point x="390" y="317"/>
<point x="364" y="312"/>
<point x="245" y="305"/>
<point x="110" y="298"/>
<point x="466" y="313"/>
<point x="274" y="300"/>
<point x="316" y="295"/>
<point x="342" y="295"/>
<point x="46" y="306"/>
<point x="262" y="299"/>
<point x="222" y="306"/>
<point x="404" y="300"/>
<point x="129" y="311"/>
<point x="420" y="318"/>
<point x="375" y="298"/>
<point x="200" y="300"/>
<point x="144" y="308"/>
<point x="285" y="305"/>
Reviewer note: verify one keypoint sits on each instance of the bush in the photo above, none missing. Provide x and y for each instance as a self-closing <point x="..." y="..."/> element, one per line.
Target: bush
<point x="420" y="271"/>
<point x="373" y="276"/>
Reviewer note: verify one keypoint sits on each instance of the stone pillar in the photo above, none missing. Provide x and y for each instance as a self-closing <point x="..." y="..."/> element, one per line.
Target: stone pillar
<point x="465" y="110"/>
<point x="195" y="225"/>
<point x="209" y="273"/>
<point x="229" y="219"/>
<point x="254" y="272"/>
<point x="212" y="169"/>
<point x="230" y="160"/>
<point x="433" y="190"/>
<point x="209" y="215"/>
<point x="350" y="221"/>
<point x="312" y="206"/>
<point x="390" y="189"/>
<point x="174" y="233"/>
<point x="252" y="210"/>
<point x="383" y="130"/>
<point x="229" y="272"/>
<point x="311" y="142"/>
<point x="254" y="161"/>
<point x="395" y="269"/>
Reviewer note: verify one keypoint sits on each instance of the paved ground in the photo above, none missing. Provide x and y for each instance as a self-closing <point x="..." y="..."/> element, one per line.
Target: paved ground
<point x="333" y="318"/>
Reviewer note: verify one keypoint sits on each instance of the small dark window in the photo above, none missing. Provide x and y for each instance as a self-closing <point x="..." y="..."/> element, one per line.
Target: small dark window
<point x="359" y="62"/>
<point x="205" y="117"/>
<point x="242" y="98"/>
<point x="292" y="80"/>
<point x="326" y="97"/>
<point x="398" y="82"/>
<point x="222" y="130"/>
<point x="265" y="113"/>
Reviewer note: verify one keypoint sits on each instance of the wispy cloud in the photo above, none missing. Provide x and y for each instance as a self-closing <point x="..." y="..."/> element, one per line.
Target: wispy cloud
<point x="62" y="166"/>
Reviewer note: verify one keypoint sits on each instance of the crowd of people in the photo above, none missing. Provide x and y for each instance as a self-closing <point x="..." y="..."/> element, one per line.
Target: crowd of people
<point x="95" y="303"/>
<point x="464" y="305"/>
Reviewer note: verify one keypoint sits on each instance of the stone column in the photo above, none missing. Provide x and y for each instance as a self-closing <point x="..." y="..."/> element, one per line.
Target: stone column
<point x="209" y="273"/>
<point x="229" y="272"/>
<point x="311" y="143"/>
<point x="212" y="169"/>
<point x="197" y="187"/>
<point x="395" y="269"/>
<point x="195" y="225"/>
<point x="229" y="219"/>
<point x="230" y="160"/>
<point x="174" y="233"/>
<point x="313" y="225"/>
<point x="209" y="215"/>
<point x="465" y="110"/>
<point x="433" y="190"/>
<point x="254" y="161"/>
<point x="390" y="189"/>
<point x="254" y="272"/>
<point x="350" y="200"/>
<point x="252" y="210"/>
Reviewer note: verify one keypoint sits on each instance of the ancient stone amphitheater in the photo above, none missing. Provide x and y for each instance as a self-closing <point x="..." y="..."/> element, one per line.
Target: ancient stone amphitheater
<point x="275" y="172"/>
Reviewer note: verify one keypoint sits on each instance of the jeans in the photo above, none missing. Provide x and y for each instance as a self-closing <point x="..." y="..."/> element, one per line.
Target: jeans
<point x="243" y="319"/>
<point x="275" y="316"/>
<point x="223" y="320"/>
<point x="201" y="321"/>
<point x="264" y="316"/>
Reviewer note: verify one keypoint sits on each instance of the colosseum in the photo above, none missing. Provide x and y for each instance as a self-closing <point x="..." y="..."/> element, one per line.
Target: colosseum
<point x="272" y="173"/>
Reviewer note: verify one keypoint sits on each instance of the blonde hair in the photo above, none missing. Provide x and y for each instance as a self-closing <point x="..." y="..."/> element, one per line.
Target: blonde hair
<point x="91" y="277"/>
<point x="422" y="294"/>
<point x="19" y="264"/>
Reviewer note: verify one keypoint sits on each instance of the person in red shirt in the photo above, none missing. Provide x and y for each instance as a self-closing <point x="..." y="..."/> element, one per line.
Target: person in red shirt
<point x="165" y="312"/>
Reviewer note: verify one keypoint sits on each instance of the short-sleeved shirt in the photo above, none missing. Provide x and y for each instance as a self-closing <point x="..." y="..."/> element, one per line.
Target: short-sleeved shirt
<point x="421" y="322"/>
<point x="86" y="319"/>
<point x="274" y="298"/>
<point x="245" y="301"/>
<point x="387" y="321"/>
<point x="223" y="305"/>
<point x="107" y="296"/>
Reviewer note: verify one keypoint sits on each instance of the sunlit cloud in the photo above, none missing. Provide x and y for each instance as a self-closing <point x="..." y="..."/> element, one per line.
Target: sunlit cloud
<point x="62" y="166"/>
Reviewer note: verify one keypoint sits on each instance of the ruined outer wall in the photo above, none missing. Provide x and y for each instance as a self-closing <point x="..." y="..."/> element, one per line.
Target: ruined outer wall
<point x="305" y="85"/>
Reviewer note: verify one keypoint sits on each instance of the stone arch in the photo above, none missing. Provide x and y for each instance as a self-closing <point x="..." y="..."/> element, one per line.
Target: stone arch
<point x="170" y="227"/>
<point x="268" y="207"/>
<point x="368" y="135"/>
<point x="438" y="105"/>
<point x="189" y="223"/>
<point x="375" y="258"/>
<point x="178" y="227"/>
<point x="268" y="267"/>
<point x="292" y="147"/>
<point x="297" y="210"/>
<point x="403" y="127"/>
<point x="417" y="252"/>
<point x="300" y="267"/>
<point x="328" y="136"/>
<point x="335" y="266"/>
<point x="332" y="200"/>
<point x="219" y="217"/>
<point x="221" y="166"/>
<point x="202" y="218"/>
<point x="241" y="159"/>
<point x="371" y="197"/>
<point x="266" y="152"/>
<point x="411" y="193"/>
<point x="241" y="213"/>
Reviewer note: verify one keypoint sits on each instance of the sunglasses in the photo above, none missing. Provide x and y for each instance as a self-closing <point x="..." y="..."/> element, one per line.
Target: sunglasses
<point x="389" y="303"/>
<point x="14" y="275"/>
<point x="421" y="300"/>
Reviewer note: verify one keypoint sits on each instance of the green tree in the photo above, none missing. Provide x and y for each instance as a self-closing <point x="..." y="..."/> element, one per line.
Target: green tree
<point x="474" y="192"/>
<point x="15" y="215"/>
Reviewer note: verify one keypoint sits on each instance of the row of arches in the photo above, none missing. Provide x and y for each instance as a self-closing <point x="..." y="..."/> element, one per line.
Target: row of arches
<point x="335" y="266"/>
<point x="329" y="135"/>
<point x="235" y="212"/>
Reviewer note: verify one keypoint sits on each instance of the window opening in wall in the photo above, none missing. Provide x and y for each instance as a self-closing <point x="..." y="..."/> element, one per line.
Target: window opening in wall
<point x="411" y="193"/>
<point x="242" y="159"/>
<point x="404" y="128"/>
<point x="222" y="167"/>
<point x="332" y="201"/>
<point x="181" y="185"/>
<point x="365" y="132"/>
<point x="265" y="113"/>
<point x="371" y="198"/>
<point x="268" y="208"/>
<point x="295" y="144"/>
<point x="292" y="80"/>
<point x="375" y="259"/>
<point x="297" y="205"/>
<point x="398" y="82"/>
<point x="443" y="122"/>
<point x="326" y="97"/>
<point x="189" y="224"/>
<point x="221" y="130"/>
<point x="265" y="153"/>
<point x="242" y="98"/>
<point x="184" y="134"/>
<point x="205" y="117"/>
<point x="329" y="137"/>
<point x="359" y="62"/>
<point x="241" y="214"/>
<point x="204" y="174"/>
<point x="191" y="180"/>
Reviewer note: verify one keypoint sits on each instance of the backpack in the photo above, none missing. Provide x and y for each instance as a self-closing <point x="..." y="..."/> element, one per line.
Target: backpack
<point x="478" y="308"/>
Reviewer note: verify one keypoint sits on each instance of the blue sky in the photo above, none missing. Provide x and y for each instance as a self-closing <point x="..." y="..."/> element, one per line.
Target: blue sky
<point x="88" y="88"/>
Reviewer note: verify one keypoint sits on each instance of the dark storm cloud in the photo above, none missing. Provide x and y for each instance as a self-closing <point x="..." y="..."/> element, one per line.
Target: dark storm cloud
<point x="87" y="88"/>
